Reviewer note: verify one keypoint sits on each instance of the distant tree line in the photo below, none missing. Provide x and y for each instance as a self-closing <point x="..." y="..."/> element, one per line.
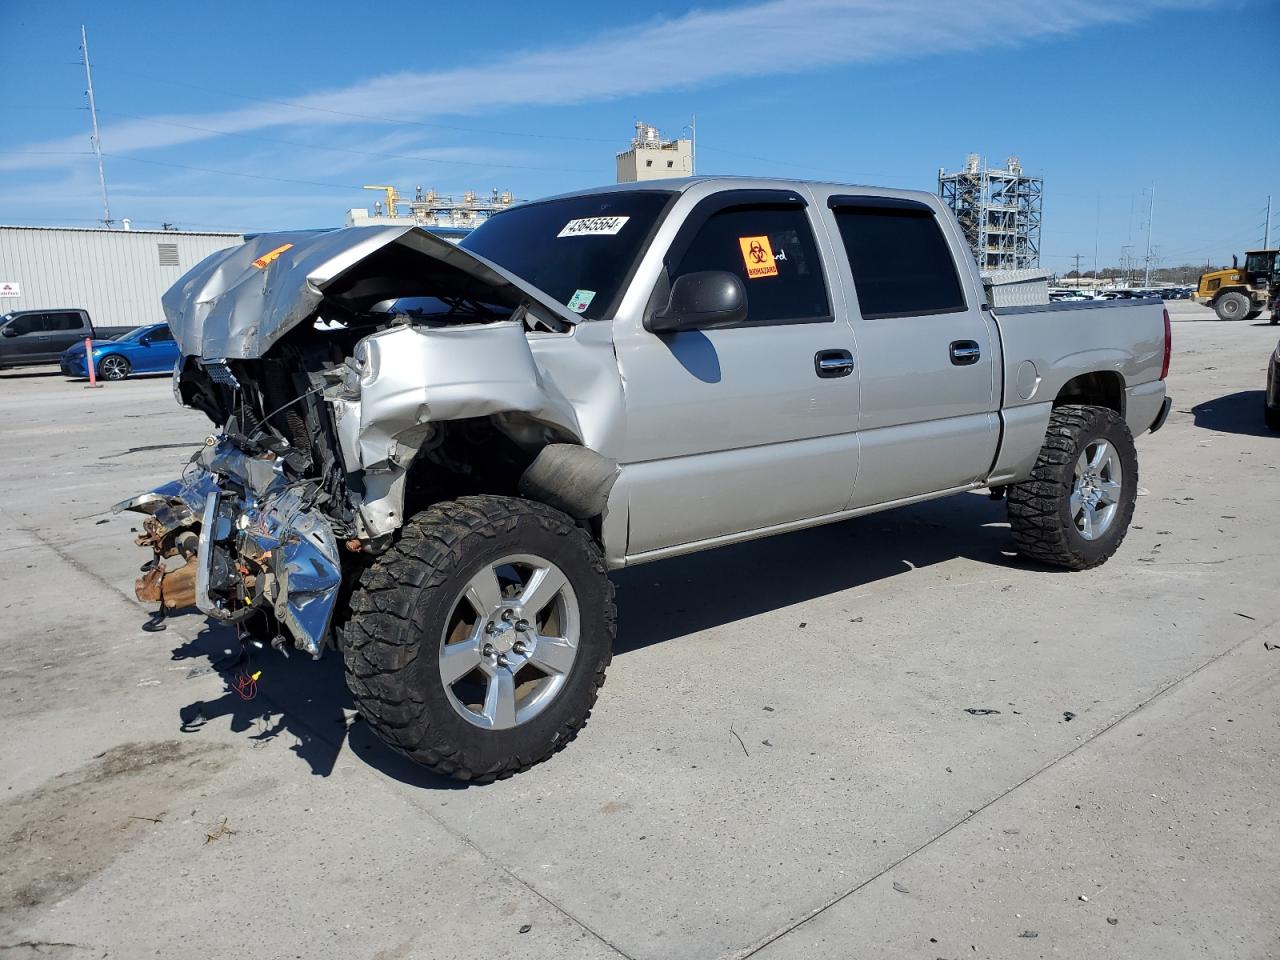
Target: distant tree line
<point x="1186" y="273"/>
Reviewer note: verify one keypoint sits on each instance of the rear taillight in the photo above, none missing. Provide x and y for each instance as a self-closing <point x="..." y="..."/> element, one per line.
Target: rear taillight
<point x="1168" y="346"/>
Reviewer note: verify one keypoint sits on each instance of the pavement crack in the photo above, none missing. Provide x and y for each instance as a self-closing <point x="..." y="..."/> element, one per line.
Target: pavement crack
<point x="755" y="948"/>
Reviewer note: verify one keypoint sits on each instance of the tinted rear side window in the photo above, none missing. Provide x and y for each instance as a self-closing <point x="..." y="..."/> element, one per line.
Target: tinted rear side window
<point x="65" y="321"/>
<point x="772" y="250"/>
<point x="901" y="264"/>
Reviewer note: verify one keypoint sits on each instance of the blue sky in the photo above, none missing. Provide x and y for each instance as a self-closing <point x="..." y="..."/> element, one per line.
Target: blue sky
<point x="288" y="108"/>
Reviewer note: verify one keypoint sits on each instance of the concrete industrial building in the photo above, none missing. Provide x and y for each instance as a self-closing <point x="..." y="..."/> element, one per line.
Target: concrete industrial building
<point x="652" y="158"/>
<point x="998" y="210"/>
<point x="117" y="275"/>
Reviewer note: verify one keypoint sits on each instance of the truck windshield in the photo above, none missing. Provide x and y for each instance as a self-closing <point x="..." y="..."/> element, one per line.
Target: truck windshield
<point x="578" y="250"/>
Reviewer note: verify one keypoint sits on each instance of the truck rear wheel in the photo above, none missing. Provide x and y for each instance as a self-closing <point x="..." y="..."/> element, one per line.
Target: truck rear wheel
<point x="477" y="643"/>
<point x="1232" y="306"/>
<point x="1076" y="508"/>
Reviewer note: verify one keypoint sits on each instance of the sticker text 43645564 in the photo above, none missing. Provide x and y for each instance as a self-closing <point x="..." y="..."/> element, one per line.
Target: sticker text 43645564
<point x="593" y="227"/>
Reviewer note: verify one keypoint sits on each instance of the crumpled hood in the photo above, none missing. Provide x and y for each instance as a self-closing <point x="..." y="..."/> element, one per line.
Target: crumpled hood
<point x="238" y="302"/>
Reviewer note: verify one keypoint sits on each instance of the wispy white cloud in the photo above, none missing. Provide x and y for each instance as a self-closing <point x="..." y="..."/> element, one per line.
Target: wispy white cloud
<point x="700" y="48"/>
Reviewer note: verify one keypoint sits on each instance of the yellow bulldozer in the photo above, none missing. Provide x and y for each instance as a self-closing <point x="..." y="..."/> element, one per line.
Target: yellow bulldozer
<point x="1242" y="294"/>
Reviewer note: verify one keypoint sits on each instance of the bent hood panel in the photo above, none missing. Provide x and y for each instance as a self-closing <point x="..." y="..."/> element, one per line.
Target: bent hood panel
<point x="238" y="302"/>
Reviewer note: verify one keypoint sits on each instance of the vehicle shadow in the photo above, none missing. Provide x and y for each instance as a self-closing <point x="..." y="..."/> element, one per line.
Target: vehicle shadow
<point x="683" y="595"/>
<point x="1234" y="413"/>
<point x="29" y="373"/>
<point x="305" y="702"/>
<point x="308" y="704"/>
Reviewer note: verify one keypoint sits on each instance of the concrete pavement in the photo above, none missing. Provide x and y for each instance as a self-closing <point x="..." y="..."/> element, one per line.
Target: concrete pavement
<point x="781" y="763"/>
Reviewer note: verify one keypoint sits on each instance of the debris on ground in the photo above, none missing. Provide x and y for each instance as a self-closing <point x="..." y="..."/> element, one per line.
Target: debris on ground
<point x="1245" y="615"/>
<point x="899" y="887"/>
<point x="767" y="709"/>
<point x="1068" y="716"/>
<point x="1028" y="935"/>
<point x="1113" y="920"/>
<point x="1083" y="899"/>
<point x="1270" y="645"/>
<point x="526" y="928"/>
<point x="739" y="739"/>
<point x="980" y="711"/>
<point x="220" y="831"/>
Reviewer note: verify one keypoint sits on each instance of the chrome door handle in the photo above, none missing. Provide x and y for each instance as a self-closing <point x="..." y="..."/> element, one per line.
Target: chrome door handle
<point x="833" y="363"/>
<point x="965" y="352"/>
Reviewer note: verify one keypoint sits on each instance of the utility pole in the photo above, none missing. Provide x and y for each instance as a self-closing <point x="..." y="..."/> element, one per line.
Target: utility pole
<point x="95" y="139"/>
<point x="1097" y="228"/>
<point x="1266" y="229"/>
<point x="1077" y="259"/>
<point x="693" y="144"/>
<point x="1151" y="206"/>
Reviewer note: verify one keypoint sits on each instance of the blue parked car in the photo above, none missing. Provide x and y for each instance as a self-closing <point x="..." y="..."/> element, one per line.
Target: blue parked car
<point x="149" y="349"/>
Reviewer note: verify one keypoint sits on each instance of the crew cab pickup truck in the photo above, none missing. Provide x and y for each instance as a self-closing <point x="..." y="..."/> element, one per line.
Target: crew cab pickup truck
<point x="29" y="337"/>
<point x="429" y="456"/>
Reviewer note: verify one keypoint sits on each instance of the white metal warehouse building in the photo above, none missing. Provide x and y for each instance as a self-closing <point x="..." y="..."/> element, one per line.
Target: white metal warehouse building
<point x="117" y="275"/>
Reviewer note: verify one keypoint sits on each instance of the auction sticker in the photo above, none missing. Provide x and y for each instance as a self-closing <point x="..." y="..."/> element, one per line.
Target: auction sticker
<point x="580" y="300"/>
<point x="593" y="227"/>
<point x="757" y="255"/>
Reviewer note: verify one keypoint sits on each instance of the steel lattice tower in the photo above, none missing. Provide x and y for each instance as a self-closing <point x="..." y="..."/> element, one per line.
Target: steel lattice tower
<point x="998" y="210"/>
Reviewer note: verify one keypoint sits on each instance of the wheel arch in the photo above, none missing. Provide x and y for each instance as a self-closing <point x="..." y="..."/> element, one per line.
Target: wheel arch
<point x="1098" y="388"/>
<point x="511" y="454"/>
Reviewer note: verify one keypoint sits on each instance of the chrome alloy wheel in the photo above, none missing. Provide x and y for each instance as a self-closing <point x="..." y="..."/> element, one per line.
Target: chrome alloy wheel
<point x="113" y="367"/>
<point x="510" y="642"/>
<point x="1096" y="489"/>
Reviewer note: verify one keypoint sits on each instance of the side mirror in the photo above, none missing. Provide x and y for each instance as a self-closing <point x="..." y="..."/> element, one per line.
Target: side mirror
<point x="9" y="331"/>
<point x="701" y="301"/>
<point x="145" y="341"/>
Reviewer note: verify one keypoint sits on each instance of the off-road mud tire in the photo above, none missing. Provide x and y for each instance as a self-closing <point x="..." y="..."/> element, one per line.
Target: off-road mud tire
<point x="391" y="635"/>
<point x="1039" y="508"/>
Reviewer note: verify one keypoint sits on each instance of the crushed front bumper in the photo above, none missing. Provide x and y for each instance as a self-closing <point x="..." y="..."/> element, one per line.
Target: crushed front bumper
<point x="256" y="543"/>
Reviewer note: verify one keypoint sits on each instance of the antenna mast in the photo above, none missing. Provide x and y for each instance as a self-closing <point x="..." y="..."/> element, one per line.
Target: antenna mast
<point x="95" y="139"/>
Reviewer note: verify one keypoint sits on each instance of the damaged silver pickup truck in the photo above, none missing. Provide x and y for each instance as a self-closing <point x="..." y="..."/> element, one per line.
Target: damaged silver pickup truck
<point x="429" y="456"/>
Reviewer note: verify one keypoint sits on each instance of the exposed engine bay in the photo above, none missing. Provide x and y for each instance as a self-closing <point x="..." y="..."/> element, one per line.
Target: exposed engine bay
<point x="351" y="376"/>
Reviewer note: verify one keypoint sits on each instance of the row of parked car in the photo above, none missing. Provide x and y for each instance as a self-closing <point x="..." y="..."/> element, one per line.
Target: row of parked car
<point x="1067" y="294"/>
<point x="30" y="337"/>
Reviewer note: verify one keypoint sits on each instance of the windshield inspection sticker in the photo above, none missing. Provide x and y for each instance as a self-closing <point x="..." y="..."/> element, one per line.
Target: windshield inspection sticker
<point x="593" y="227"/>
<point x="581" y="299"/>
<point x="757" y="254"/>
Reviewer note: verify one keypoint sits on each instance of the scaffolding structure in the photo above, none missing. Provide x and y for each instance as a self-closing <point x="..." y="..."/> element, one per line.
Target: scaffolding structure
<point x="998" y="210"/>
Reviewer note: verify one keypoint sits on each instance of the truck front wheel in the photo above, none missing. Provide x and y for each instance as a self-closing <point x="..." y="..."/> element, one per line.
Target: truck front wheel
<point x="1075" y="509"/>
<point x="1232" y="306"/>
<point x="477" y="643"/>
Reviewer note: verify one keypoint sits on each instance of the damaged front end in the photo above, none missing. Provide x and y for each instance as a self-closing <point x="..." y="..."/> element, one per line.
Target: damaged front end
<point x="325" y="394"/>
<point x="253" y="542"/>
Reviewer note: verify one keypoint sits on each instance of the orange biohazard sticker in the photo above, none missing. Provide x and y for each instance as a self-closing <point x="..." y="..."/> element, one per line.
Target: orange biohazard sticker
<point x="757" y="254"/>
<point x="271" y="256"/>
